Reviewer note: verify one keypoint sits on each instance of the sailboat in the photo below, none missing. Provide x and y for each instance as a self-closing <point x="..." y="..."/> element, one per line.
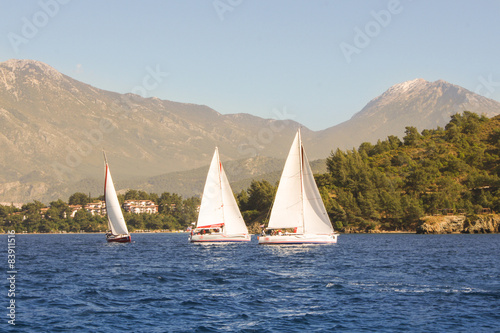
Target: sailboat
<point x="298" y="215"/>
<point x="219" y="219"/>
<point x="117" y="229"/>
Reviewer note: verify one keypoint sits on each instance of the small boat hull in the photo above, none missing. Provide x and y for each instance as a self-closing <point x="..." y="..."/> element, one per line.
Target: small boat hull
<point x="119" y="238"/>
<point x="219" y="238"/>
<point x="298" y="239"/>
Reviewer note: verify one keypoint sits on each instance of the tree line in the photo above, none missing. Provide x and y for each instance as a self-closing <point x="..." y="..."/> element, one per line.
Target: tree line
<point x="388" y="186"/>
<point x="175" y="213"/>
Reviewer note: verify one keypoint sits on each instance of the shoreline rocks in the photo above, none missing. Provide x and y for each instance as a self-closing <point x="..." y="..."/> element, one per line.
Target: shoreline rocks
<point x="450" y="224"/>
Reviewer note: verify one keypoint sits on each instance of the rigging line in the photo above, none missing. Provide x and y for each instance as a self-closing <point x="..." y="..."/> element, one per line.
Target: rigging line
<point x="301" y="175"/>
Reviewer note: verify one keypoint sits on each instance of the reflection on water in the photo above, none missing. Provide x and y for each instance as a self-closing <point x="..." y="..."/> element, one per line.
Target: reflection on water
<point x="290" y="249"/>
<point x="286" y="250"/>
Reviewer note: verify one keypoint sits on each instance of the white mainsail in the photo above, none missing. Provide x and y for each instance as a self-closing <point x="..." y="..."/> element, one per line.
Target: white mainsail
<point x="287" y="207"/>
<point x="298" y="203"/>
<point x="218" y="205"/>
<point x="116" y="222"/>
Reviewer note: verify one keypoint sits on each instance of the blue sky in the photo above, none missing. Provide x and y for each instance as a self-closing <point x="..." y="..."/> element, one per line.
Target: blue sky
<point x="318" y="62"/>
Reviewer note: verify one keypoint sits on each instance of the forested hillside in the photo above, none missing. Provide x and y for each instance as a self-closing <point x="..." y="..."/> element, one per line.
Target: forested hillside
<point x="393" y="183"/>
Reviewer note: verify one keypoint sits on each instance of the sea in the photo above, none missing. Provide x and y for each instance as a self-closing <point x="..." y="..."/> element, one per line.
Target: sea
<point x="163" y="283"/>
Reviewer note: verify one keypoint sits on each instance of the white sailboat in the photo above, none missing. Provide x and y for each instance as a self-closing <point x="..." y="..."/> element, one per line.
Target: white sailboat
<point x="298" y="215"/>
<point x="219" y="219"/>
<point x="118" y="231"/>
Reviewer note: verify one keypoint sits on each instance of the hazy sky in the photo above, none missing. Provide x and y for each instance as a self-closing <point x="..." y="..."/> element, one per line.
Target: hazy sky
<point x="318" y="62"/>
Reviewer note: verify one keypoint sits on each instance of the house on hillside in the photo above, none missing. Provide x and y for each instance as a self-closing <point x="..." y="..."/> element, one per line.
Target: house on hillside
<point x="140" y="206"/>
<point x="96" y="208"/>
<point x="43" y="212"/>
<point x="74" y="209"/>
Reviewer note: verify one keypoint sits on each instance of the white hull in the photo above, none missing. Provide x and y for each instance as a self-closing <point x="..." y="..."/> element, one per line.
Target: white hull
<point x="299" y="239"/>
<point x="212" y="238"/>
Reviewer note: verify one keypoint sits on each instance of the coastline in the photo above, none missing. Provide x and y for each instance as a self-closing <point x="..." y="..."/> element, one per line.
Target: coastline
<point x="460" y="224"/>
<point x="439" y="224"/>
<point x="187" y="232"/>
<point x="100" y="232"/>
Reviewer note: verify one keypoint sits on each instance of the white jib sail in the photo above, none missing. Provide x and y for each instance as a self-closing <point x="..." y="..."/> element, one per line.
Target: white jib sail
<point x="115" y="217"/>
<point x="218" y="205"/>
<point x="316" y="220"/>
<point x="233" y="221"/>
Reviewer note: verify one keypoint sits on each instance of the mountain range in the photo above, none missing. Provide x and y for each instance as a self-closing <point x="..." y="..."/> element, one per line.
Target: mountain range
<point x="53" y="129"/>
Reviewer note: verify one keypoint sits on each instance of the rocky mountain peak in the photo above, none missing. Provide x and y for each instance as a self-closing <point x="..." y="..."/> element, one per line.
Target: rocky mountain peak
<point x="420" y="96"/>
<point x="26" y="66"/>
<point x="418" y="86"/>
<point x="407" y="86"/>
<point x="419" y="103"/>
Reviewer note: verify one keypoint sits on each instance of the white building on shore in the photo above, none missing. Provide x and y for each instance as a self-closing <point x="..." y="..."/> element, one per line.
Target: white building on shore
<point x="140" y="206"/>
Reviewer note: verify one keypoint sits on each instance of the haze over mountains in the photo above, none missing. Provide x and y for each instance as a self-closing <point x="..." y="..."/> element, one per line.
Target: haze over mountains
<point x="53" y="129"/>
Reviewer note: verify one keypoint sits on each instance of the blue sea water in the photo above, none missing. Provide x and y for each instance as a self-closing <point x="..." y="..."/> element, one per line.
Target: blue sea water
<point x="162" y="283"/>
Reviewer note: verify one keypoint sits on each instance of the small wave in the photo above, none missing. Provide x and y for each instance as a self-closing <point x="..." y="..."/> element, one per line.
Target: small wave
<point x="148" y="300"/>
<point x="334" y="285"/>
<point x="190" y="303"/>
<point x="218" y="281"/>
<point x="203" y="328"/>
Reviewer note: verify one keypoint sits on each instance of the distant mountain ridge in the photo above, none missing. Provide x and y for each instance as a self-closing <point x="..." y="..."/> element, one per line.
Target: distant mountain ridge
<point x="53" y="128"/>
<point x="417" y="103"/>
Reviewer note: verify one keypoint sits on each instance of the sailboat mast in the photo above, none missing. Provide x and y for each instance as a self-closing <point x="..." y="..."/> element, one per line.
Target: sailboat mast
<point x="105" y="185"/>
<point x="219" y="166"/>
<point x="105" y="173"/>
<point x="301" y="159"/>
